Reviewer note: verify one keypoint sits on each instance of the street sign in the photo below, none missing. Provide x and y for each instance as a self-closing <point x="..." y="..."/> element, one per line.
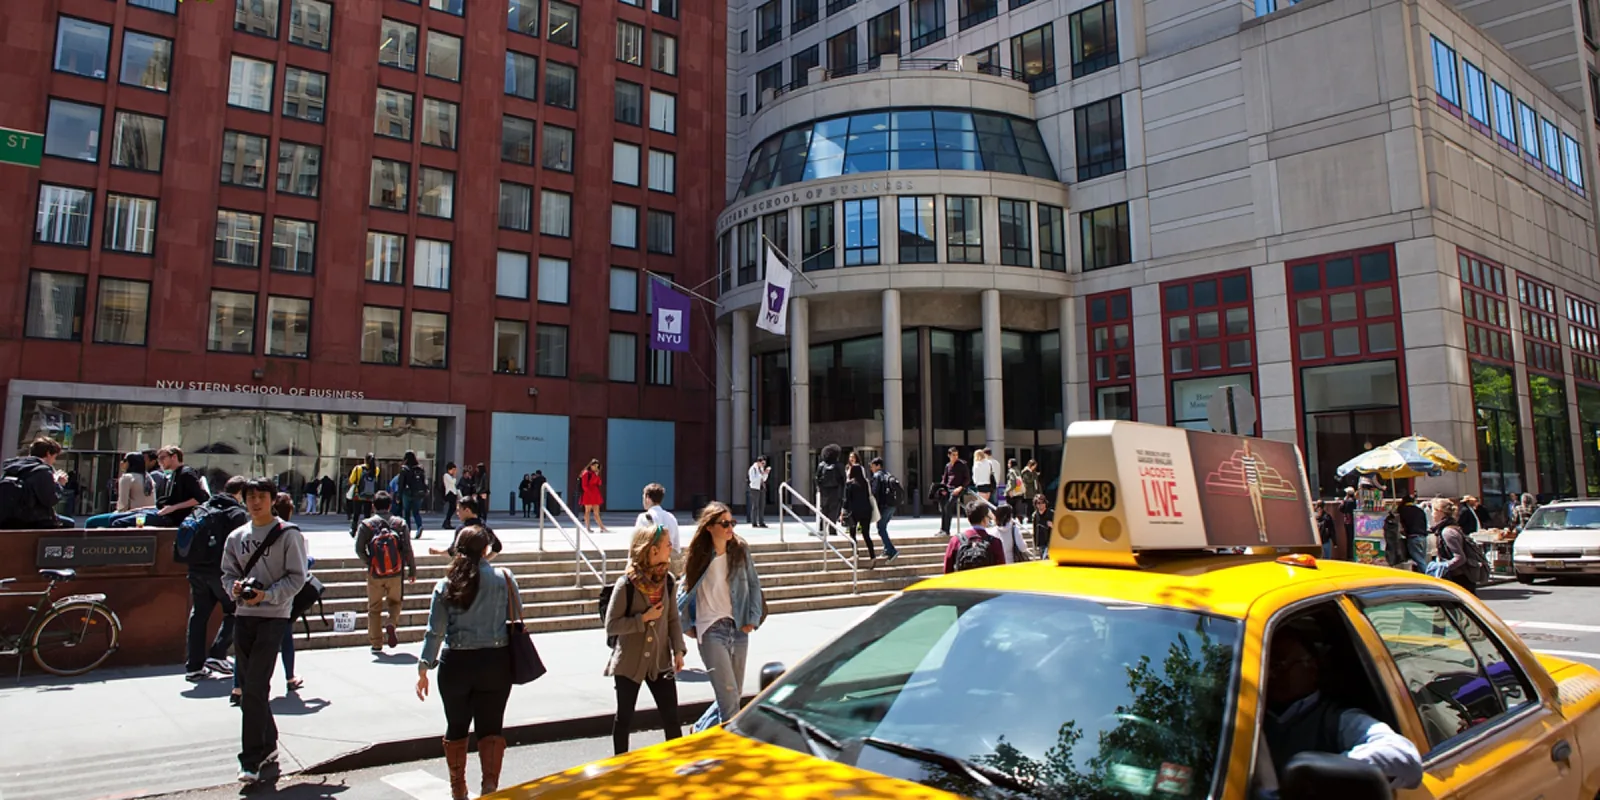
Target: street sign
<point x="21" y="147"/>
<point x="1231" y="410"/>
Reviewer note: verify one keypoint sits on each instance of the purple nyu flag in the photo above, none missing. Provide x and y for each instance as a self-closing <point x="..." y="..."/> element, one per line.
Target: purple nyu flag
<point x="669" y="325"/>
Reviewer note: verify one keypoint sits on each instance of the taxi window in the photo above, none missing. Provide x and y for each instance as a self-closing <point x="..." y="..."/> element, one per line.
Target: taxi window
<point x="1057" y="696"/>
<point x="1456" y="674"/>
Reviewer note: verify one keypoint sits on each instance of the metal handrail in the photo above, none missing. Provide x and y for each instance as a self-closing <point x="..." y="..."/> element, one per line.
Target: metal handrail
<point x="784" y="492"/>
<point x="579" y="560"/>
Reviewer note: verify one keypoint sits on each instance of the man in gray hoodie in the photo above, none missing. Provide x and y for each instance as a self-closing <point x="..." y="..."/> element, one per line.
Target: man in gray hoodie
<point x="270" y="555"/>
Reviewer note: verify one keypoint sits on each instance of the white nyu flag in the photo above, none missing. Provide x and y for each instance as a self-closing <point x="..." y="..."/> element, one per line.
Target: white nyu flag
<point x="774" y="314"/>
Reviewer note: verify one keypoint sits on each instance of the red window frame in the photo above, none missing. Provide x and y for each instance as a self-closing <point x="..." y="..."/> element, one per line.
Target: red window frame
<point x="1198" y="301"/>
<point x="1107" y="314"/>
<point x="1583" y="336"/>
<point x="1541" y="330"/>
<point x="1484" y="308"/>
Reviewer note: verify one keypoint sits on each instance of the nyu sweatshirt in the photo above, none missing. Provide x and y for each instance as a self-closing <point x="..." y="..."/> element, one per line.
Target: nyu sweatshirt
<point x="282" y="569"/>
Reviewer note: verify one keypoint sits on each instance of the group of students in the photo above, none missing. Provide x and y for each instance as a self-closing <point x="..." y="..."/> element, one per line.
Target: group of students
<point x="857" y="496"/>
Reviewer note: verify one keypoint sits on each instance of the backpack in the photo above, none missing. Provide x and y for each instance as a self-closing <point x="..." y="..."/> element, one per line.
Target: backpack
<point x="973" y="552"/>
<point x="309" y="595"/>
<point x="384" y="559"/>
<point x="1476" y="566"/>
<point x="605" y="602"/>
<point x="895" y="490"/>
<point x="17" y="501"/>
<point x="366" y="484"/>
<point x="412" y="480"/>
<point x="202" y="534"/>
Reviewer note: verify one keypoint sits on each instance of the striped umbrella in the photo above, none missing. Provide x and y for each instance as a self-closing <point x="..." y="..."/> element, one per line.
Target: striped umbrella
<point x="1424" y="447"/>
<point x="1389" y="463"/>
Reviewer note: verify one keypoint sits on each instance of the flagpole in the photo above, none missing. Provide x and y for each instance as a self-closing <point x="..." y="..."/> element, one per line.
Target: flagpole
<point x="784" y="257"/>
<point x="686" y="290"/>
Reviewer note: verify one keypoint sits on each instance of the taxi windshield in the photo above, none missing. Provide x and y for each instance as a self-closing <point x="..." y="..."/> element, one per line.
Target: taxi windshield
<point x="1016" y="695"/>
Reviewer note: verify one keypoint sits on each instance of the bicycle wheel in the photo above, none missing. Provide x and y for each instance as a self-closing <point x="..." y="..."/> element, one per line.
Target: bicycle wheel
<point x="75" y="638"/>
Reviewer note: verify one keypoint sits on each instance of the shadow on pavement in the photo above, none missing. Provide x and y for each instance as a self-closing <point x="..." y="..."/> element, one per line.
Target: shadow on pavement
<point x="694" y="675"/>
<point x="294" y="705"/>
<point x="395" y="658"/>
<point x="208" y="689"/>
<point x="1509" y="592"/>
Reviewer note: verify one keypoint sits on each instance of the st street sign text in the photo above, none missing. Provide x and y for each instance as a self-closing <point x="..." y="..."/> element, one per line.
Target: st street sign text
<point x="21" y="147"/>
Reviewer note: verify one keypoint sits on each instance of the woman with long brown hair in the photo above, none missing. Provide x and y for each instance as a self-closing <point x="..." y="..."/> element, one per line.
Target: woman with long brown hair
<point x="468" y="614"/>
<point x="723" y="603"/>
<point x="647" y="641"/>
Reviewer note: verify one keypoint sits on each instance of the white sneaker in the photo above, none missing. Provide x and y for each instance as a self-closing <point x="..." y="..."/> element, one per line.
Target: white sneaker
<point x="197" y="675"/>
<point x="220" y="665"/>
<point x="250" y="776"/>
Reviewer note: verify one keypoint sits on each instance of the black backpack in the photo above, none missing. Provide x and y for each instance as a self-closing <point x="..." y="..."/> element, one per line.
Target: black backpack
<point x="203" y="533"/>
<point x="18" y="504"/>
<point x="309" y="595"/>
<point x="412" y="481"/>
<point x="895" y="490"/>
<point x="605" y="602"/>
<point x="974" y="551"/>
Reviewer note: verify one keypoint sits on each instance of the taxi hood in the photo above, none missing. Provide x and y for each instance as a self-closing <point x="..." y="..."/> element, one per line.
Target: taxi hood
<point x="718" y="764"/>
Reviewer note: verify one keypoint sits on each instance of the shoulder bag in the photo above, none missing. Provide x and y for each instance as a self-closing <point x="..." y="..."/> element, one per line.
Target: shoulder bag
<point x="526" y="666"/>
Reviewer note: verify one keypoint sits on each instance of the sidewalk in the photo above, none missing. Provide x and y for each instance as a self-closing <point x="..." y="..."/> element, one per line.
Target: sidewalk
<point x="127" y="733"/>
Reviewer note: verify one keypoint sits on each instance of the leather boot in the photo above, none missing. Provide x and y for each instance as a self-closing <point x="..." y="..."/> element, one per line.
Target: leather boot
<point x="491" y="753"/>
<point x="455" y="757"/>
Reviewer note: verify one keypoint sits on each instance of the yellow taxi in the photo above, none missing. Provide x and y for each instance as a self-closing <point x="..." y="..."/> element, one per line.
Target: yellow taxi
<point x="1134" y="663"/>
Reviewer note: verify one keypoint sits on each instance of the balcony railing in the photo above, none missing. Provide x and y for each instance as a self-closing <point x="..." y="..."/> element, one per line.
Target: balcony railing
<point x="802" y="79"/>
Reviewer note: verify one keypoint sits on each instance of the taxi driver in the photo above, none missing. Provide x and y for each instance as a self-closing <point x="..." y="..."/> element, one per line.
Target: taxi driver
<point x="1300" y="718"/>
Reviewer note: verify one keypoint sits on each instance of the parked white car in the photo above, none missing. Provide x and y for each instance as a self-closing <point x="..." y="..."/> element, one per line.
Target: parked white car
<point x="1562" y="539"/>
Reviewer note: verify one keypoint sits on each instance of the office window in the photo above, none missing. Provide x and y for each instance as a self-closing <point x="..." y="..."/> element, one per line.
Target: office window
<point x="233" y="323"/>
<point x="803" y="14"/>
<point x="146" y="61"/>
<point x="775" y="231"/>
<point x="563" y="24"/>
<point x="1504" y="122"/>
<point x="624" y="290"/>
<point x="630" y="43"/>
<point x="744" y="40"/>
<point x="380" y="335"/>
<point x="860" y="232"/>
<point x="1034" y="55"/>
<point x="553" y="275"/>
<point x="510" y="347"/>
<point x="800" y="65"/>
<point x="624" y="225"/>
<point x="963" y="222"/>
<point x="259" y="17"/>
<point x="974" y="12"/>
<point x="1110" y="327"/>
<point x="122" y="312"/>
<point x="927" y="22"/>
<point x="430" y="338"/>
<point x="1530" y="130"/>
<point x="625" y="163"/>
<point x="391" y="184"/>
<point x="55" y="306"/>
<point x="250" y="84"/>
<point x="130" y="224"/>
<point x="238" y="239"/>
<point x="439" y="123"/>
<point x="663" y="112"/>
<point x="557" y="148"/>
<point x="516" y="139"/>
<point x="444" y="56"/>
<point x="1052" y="238"/>
<point x="304" y="94"/>
<point x="398" y="45"/>
<point x="817" y="237"/>
<point x="511" y="275"/>
<point x="835" y="6"/>
<point x="289" y="327"/>
<point x="294" y="245"/>
<point x="749" y="252"/>
<point x="560" y="85"/>
<point x="1574" y="159"/>
<point x="169" y="6"/>
<point x="769" y="24"/>
<point x="1094" y="38"/>
<point x="386" y="254"/>
<point x="1098" y="127"/>
<point x="1550" y="138"/>
<point x="516" y="206"/>
<point x="883" y="36"/>
<point x="1107" y="240"/>
<point x="666" y="8"/>
<point x="1016" y="233"/>
<point x="841" y="54"/>
<point x="436" y="193"/>
<point x="64" y="215"/>
<point x="629" y="102"/>
<point x="663" y="53"/>
<point x="988" y="59"/>
<point x="660" y="232"/>
<point x="522" y="75"/>
<point x="523" y="16"/>
<point x="917" y="230"/>
<point x="1477" y="96"/>
<point x="430" y="264"/>
<point x="555" y="213"/>
<point x="82" y="47"/>
<point x="299" y="168"/>
<point x="663" y="172"/>
<point x="72" y="131"/>
<point x="769" y="78"/>
<point x="244" y="159"/>
<point x="1206" y="327"/>
<point x="744" y="103"/>
<point x="311" y="24"/>
<point x="1445" y="81"/>
<point x="622" y="357"/>
<point x="455" y="7"/>
<point x="550" y="351"/>
<point x="137" y="142"/>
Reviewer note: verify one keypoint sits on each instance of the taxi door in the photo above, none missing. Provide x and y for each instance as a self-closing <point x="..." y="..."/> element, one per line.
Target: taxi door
<point x="1487" y="728"/>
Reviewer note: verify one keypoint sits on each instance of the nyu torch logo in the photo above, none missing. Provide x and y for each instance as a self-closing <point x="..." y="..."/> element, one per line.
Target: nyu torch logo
<point x="669" y="325"/>
<point x="775" y="296"/>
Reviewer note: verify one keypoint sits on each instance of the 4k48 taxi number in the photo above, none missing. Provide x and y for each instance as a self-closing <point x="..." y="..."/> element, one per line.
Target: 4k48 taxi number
<point x="1089" y="496"/>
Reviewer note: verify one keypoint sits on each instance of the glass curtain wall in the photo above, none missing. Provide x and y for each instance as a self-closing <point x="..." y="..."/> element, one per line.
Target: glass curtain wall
<point x="1552" y="437"/>
<point x="1494" y="398"/>
<point x="1349" y="409"/>
<point x="1589" y="436"/>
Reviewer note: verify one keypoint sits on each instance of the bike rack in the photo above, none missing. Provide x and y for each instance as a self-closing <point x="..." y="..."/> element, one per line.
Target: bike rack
<point x="579" y="560"/>
<point x="825" y="528"/>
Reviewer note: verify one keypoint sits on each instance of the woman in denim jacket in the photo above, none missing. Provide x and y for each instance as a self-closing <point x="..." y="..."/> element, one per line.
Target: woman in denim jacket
<point x="468" y="615"/>
<point x="723" y="603"/>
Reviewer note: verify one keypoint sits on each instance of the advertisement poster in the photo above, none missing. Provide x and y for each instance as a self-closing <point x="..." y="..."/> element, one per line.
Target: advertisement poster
<point x="1370" y="545"/>
<point x="1252" y="491"/>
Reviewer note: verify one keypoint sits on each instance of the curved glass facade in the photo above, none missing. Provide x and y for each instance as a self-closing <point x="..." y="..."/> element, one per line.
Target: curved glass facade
<point x="901" y="139"/>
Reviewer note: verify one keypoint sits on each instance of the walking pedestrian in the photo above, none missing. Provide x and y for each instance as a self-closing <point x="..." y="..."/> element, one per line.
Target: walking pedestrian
<point x="328" y="495"/>
<point x="525" y="494"/>
<point x="646" y="636"/>
<point x="1030" y="486"/>
<point x="537" y="489"/>
<point x="283" y="508"/>
<point x="654" y="495"/>
<point x="756" y="507"/>
<point x="225" y="514"/>
<point x="467" y="616"/>
<point x="830" y="485"/>
<point x="888" y="493"/>
<point x="957" y="477"/>
<point x="482" y="489"/>
<point x="413" y="487"/>
<point x="590" y="497"/>
<point x="363" y="486"/>
<point x="1043" y="521"/>
<point x="1009" y="533"/>
<point x="264" y="566"/>
<point x="858" y="504"/>
<point x="470" y="513"/>
<point x="723" y="604"/>
<point x="974" y="548"/>
<point x="1455" y="561"/>
<point x="1014" y="487"/>
<point x="1414" y="525"/>
<point x="382" y="544"/>
<point x="452" y="494"/>
<point x="1324" y="527"/>
<point x="985" y="473"/>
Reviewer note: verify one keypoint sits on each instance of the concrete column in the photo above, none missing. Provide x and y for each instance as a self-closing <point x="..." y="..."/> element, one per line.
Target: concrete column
<point x="800" y="395"/>
<point x="724" y="415"/>
<point x="1068" y="315"/>
<point x="994" y="409"/>
<point x="740" y="406"/>
<point x="894" y="411"/>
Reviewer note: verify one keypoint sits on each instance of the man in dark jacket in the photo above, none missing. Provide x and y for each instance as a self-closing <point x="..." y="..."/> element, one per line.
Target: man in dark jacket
<point x="536" y="488"/>
<point x="184" y="489"/>
<point x="1414" y="526"/>
<point x="886" y="507"/>
<point x="37" y="488"/>
<point x="956" y="478"/>
<point x="830" y="484"/>
<point x="206" y="591"/>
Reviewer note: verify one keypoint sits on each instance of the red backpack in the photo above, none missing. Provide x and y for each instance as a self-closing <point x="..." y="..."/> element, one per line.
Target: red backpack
<point x="383" y="550"/>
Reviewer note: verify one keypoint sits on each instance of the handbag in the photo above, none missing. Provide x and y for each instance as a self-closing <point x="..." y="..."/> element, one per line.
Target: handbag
<point x="526" y="666"/>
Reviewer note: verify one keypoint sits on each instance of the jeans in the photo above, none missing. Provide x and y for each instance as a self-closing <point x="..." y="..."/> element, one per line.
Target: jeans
<point x="723" y="648"/>
<point x="665" y="691"/>
<point x="107" y="520"/>
<point x="886" y="513"/>
<point x="527" y="508"/>
<point x="474" y="685"/>
<point x="383" y="593"/>
<point x="950" y="508"/>
<point x="863" y="528"/>
<point x="449" y="511"/>
<point x="206" y="592"/>
<point x="1417" y="551"/>
<point x="260" y="638"/>
<point x="411" y="513"/>
<point x="285" y="652"/>
<point x="757" y="508"/>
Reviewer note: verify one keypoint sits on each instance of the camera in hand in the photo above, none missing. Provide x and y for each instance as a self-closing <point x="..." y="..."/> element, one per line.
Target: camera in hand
<point x="249" y="588"/>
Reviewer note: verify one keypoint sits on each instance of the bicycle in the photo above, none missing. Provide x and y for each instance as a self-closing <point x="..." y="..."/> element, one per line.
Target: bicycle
<point x="68" y="637"/>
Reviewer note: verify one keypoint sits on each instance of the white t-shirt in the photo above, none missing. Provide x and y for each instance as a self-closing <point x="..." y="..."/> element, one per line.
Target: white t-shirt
<point x="758" y="476"/>
<point x="1008" y="535"/>
<point x="712" y="599"/>
<point x="983" y="473"/>
<point x="656" y="515"/>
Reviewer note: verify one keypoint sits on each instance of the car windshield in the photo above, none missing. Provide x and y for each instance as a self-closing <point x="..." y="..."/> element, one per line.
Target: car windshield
<point x="1562" y="517"/>
<point x="1016" y="695"/>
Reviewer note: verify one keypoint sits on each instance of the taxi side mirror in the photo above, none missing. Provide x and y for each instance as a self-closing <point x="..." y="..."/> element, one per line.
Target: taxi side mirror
<point x="1329" y="776"/>
<point x="770" y="672"/>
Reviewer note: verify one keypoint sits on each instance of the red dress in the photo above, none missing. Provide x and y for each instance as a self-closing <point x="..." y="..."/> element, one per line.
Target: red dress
<point x="590" y="483"/>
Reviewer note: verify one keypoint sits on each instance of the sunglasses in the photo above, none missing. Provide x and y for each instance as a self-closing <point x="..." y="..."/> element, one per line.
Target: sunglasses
<point x="722" y="523"/>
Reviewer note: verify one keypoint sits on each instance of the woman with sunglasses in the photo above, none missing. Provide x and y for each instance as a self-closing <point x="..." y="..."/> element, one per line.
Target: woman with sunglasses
<point x="646" y="640"/>
<point x="723" y="603"/>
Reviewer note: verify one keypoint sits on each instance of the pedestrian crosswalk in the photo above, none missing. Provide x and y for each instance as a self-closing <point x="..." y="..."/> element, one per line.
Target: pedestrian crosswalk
<point x="132" y="773"/>
<point x="420" y="785"/>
